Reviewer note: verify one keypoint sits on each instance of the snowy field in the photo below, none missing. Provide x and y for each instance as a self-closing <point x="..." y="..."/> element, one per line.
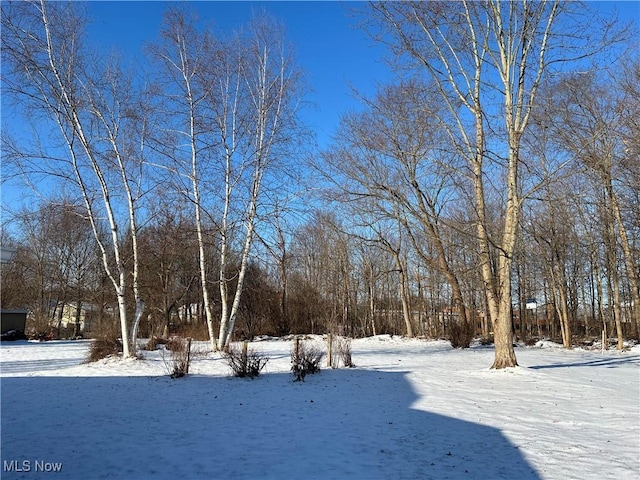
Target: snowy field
<point x="411" y="409"/>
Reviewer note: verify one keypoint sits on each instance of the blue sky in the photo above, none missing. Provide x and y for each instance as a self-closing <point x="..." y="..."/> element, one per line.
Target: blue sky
<point x="334" y="54"/>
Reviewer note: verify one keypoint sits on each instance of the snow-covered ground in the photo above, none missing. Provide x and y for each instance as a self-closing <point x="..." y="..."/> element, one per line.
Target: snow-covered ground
<point x="411" y="409"/>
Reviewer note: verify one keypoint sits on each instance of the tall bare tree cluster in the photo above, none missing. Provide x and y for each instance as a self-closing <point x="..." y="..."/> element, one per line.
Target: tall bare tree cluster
<point x="215" y="117"/>
<point x="233" y="105"/>
<point x="492" y="189"/>
<point x="486" y="62"/>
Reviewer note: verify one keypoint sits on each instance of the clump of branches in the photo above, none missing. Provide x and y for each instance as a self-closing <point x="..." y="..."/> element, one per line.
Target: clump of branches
<point x="341" y="352"/>
<point x="177" y="365"/>
<point x="305" y="359"/>
<point x="104" y="347"/>
<point x="461" y="334"/>
<point x="244" y="362"/>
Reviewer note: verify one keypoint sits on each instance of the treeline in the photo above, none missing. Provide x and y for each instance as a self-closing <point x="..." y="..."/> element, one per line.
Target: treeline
<point x="492" y="190"/>
<point x="323" y="279"/>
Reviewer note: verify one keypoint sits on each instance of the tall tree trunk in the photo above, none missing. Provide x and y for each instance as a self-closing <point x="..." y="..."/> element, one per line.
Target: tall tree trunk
<point x="404" y="294"/>
<point x="628" y="259"/>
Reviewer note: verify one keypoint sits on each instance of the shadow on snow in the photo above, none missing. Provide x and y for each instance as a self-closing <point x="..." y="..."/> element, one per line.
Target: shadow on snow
<point x="339" y="424"/>
<point x="599" y="362"/>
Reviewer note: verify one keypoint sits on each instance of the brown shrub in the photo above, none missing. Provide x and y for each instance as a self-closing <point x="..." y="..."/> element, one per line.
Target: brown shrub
<point x="175" y="344"/>
<point x="179" y="358"/>
<point x="305" y="359"/>
<point x="104" y="347"/>
<point x="461" y="334"/>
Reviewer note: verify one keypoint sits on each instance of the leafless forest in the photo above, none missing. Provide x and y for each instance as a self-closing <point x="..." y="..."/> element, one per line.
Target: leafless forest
<point x="492" y="190"/>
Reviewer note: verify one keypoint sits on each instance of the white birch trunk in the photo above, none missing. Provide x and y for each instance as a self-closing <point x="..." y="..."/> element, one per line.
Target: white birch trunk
<point x="266" y="113"/>
<point x="76" y="124"/>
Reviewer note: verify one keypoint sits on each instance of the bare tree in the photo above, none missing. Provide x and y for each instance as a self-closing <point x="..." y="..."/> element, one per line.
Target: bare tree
<point x="482" y="53"/>
<point x="388" y="160"/>
<point x="271" y="80"/>
<point x="169" y="263"/>
<point x="593" y="125"/>
<point x="51" y="71"/>
<point x="235" y="104"/>
<point x="184" y="55"/>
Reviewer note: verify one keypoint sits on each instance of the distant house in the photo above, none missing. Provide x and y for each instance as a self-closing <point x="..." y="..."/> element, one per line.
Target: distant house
<point x="86" y="316"/>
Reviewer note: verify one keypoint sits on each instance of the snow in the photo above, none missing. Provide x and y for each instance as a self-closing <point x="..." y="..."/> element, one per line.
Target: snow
<point x="411" y="409"/>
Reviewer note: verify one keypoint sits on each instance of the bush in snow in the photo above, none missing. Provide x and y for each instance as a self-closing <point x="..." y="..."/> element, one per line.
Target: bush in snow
<point x="305" y="359"/>
<point x="461" y="334"/>
<point x="244" y="362"/>
<point x="104" y="347"/>
<point x="179" y="357"/>
<point x="342" y="352"/>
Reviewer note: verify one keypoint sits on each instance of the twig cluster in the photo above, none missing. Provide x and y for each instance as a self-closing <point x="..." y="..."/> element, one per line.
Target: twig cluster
<point x="305" y="359"/>
<point x="179" y="358"/>
<point x="342" y="349"/>
<point x="244" y="362"/>
<point x="104" y="347"/>
<point x="461" y="334"/>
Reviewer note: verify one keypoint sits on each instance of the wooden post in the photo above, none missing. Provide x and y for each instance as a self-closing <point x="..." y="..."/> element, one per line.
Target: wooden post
<point x="188" y="355"/>
<point x="329" y="342"/>
<point x="245" y="353"/>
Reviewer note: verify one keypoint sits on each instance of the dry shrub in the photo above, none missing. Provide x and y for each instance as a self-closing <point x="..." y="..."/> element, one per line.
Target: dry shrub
<point x="104" y="347"/>
<point x="179" y="358"/>
<point x="342" y="352"/>
<point x="38" y="327"/>
<point x="175" y="344"/>
<point x="305" y="359"/>
<point x="244" y="362"/>
<point x="461" y="334"/>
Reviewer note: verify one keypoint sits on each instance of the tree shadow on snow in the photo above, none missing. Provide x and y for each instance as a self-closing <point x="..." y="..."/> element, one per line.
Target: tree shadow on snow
<point x="339" y="424"/>
<point x="598" y="362"/>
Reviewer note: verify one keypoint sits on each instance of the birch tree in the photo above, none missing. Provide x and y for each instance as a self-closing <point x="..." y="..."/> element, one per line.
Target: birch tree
<point x="271" y="79"/>
<point x="51" y="72"/>
<point x="236" y="111"/>
<point x="183" y="55"/>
